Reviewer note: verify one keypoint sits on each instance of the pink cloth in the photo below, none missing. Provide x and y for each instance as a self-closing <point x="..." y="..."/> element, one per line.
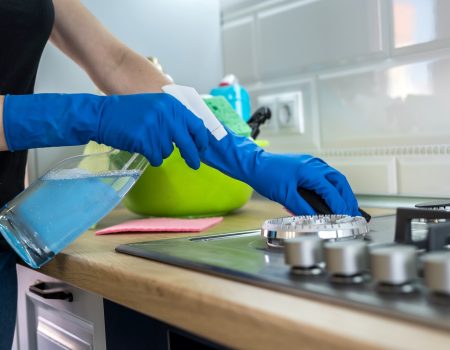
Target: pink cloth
<point x="162" y="225"/>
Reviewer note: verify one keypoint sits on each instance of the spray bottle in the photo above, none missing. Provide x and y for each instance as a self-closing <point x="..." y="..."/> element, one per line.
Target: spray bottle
<point x="236" y="95"/>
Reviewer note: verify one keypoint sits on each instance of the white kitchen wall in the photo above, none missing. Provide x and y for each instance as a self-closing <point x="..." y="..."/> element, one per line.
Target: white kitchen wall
<point x="184" y="35"/>
<point x="375" y="81"/>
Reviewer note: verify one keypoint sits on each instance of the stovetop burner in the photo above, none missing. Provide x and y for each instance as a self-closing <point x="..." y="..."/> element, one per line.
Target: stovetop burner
<point x="327" y="227"/>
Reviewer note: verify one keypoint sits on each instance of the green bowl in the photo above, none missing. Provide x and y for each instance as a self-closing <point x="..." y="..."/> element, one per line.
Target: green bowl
<point x="175" y="190"/>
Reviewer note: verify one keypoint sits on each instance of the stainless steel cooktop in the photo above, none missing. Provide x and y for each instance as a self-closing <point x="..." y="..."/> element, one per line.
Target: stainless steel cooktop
<point x="387" y="269"/>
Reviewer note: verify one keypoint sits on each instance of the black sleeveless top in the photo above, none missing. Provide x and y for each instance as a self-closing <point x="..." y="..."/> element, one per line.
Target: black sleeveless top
<point x="25" y="26"/>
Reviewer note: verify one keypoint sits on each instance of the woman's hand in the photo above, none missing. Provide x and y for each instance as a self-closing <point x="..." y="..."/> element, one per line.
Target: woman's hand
<point x="278" y="176"/>
<point x="281" y="175"/>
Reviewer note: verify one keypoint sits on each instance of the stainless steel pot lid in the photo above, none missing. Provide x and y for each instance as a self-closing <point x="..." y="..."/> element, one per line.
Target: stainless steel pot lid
<point x="327" y="227"/>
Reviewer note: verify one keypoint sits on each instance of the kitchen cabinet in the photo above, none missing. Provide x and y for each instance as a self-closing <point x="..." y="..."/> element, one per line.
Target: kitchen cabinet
<point x="60" y="317"/>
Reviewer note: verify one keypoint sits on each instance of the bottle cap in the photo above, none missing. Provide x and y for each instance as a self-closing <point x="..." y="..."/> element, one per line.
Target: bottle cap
<point x="229" y="79"/>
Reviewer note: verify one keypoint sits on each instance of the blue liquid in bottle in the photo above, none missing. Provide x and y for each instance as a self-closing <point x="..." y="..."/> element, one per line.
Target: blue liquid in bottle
<point x="57" y="208"/>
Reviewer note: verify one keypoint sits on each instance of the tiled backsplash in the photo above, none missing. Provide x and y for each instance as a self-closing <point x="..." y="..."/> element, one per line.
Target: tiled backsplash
<point x="375" y="81"/>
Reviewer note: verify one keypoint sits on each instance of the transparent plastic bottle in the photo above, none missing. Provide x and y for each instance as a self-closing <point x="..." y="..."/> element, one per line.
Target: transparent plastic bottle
<point x="67" y="200"/>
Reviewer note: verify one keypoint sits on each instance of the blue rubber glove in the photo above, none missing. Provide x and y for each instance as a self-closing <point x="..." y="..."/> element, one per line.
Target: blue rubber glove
<point x="277" y="176"/>
<point x="144" y="123"/>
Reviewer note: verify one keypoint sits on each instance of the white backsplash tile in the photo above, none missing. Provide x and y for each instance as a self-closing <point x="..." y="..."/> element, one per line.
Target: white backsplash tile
<point x="312" y="34"/>
<point x="424" y="175"/>
<point x="420" y="22"/>
<point x="368" y="175"/>
<point x="405" y="104"/>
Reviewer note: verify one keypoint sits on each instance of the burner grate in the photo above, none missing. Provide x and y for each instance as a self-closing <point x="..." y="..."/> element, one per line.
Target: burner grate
<point x="327" y="227"/>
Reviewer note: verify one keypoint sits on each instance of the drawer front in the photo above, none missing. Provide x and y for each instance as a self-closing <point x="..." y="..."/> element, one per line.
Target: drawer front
<point x="56" y="315"/>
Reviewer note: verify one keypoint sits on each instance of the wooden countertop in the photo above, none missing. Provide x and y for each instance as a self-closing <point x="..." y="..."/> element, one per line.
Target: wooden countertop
<point x="230" y="313"/>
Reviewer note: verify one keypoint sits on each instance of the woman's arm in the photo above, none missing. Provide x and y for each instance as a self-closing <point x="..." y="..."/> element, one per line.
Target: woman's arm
<point x="3" y="146"/>
<point x="114" y="68"/>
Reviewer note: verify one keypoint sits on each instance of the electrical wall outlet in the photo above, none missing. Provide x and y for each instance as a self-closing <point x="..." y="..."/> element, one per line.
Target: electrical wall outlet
<point x="287" y="113"/>
<point x="290" y="112"/>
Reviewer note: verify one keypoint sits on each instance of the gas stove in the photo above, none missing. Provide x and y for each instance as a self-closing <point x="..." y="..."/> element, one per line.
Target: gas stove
<point x="397" y="265"/>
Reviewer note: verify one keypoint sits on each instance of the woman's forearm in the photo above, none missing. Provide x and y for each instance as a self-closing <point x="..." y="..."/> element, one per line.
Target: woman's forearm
<point x="134" y="74"/>
<point x="114" y="68"/>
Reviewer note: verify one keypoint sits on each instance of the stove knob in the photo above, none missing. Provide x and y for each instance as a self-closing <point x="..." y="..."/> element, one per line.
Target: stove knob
<point x="394" y="265"/>
<point x="304" y="254"/>
<point x="346" y="258"/>
<point x="437" y="272"/>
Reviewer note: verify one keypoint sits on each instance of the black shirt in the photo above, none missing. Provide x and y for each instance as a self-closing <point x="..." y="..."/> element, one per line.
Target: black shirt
<point x="25" y="26"/>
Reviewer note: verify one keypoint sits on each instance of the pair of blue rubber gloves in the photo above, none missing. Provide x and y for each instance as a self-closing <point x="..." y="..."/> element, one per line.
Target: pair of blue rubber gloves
<point x="151" y="124"/>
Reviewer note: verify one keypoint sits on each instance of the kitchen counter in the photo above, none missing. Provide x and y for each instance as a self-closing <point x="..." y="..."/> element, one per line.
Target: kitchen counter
<point x="227" y="312"/>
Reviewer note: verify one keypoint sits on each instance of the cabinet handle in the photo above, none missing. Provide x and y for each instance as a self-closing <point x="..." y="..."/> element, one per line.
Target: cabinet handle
<point x="42" y="289"/>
